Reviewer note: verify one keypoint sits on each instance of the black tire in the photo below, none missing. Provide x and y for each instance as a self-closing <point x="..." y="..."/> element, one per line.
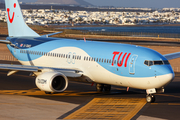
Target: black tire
<point x="150" y="98"/>
<point x="107" y="88"/>
<point x="99" y="87"/>
<point x="153" y="98"/>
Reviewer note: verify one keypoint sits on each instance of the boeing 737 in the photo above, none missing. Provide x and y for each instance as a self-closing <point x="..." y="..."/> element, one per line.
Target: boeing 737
<point x="55" y="61"/>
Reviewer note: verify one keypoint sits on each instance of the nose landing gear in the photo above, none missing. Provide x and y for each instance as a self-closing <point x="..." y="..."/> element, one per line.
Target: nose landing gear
<point x="150" y="98"/>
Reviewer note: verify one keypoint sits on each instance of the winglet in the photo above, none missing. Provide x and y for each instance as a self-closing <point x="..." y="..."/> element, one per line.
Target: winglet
<point x="16" y="25"/>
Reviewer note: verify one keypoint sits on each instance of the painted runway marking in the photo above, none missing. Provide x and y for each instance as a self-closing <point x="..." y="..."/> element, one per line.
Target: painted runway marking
<point x="169" y="95"/>
<point x="109" y="108"/>
<point x="176" y="104"/>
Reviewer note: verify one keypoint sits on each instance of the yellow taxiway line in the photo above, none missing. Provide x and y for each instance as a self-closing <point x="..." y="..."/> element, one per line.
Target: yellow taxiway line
<point x="33" y="92"/>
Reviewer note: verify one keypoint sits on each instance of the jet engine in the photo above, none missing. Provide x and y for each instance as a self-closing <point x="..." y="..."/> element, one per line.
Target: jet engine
<point x="52" y="82"/>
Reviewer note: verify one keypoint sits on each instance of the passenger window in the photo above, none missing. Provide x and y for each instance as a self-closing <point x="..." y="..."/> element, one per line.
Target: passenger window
<point x="94" y="59"/>
<point x="99" y="59"/>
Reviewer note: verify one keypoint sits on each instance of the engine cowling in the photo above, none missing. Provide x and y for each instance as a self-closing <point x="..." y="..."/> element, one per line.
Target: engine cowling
<point x="52" y="82"/>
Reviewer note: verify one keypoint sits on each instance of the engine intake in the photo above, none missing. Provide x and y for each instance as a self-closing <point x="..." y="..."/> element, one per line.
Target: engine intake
<point x="52" y="82"/>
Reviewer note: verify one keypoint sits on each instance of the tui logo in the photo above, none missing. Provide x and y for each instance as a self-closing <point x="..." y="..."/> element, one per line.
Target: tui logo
<point x="11" y="18"/>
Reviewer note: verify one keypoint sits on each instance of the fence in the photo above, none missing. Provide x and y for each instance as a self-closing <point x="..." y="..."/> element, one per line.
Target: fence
<point x="134" y="34"/>
<point x="8" y="58"/>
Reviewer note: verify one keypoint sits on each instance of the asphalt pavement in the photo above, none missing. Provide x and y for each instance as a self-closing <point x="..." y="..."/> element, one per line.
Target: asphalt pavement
<point x="21" y="99"/>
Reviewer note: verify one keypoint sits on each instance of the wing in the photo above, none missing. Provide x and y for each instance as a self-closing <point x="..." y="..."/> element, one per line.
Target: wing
<point x="15" y="68"/>
<point x="172" y="56"/>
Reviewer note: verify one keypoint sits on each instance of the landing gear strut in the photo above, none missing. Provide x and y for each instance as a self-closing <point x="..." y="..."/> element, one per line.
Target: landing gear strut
<point x="150" y="98"/>
<point x="100" y="87"/>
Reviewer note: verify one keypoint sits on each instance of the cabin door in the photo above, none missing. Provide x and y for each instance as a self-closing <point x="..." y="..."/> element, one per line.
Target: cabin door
<point x="132" y="64"/>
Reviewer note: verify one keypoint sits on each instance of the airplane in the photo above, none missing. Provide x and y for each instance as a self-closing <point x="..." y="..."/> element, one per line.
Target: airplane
<point x="55" y="61"/>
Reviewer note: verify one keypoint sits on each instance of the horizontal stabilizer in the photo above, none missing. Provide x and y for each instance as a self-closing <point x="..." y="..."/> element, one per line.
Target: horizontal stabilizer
<point x="5" y="41"/>
<point x="48" y="35"/>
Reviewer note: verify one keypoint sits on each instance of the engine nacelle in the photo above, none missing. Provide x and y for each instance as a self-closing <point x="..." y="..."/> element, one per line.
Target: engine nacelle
<point x="52" y="82"/>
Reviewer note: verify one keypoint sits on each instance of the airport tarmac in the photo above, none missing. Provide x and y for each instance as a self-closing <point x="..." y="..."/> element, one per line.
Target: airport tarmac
<point x="20" y="100"/>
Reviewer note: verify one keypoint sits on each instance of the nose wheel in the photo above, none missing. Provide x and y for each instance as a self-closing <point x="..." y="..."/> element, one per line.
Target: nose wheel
<point x="150" y="98"/>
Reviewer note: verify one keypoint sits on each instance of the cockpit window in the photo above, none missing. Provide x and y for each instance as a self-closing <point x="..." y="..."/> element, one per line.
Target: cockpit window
<point x="166" y="62"/>
<point x="151" y="63"/>
<point x="156" y="62"/>
<point x="148" y="62"/>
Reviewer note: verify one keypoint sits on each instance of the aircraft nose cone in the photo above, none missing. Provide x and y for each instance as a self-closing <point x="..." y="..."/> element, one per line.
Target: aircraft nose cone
<point x="166" y="75"/>
<point x="170" y="77"/>
<point x="166" y="79"/>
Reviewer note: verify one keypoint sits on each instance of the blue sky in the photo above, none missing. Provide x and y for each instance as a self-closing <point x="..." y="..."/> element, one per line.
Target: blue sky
<point x="137" y="3"/>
